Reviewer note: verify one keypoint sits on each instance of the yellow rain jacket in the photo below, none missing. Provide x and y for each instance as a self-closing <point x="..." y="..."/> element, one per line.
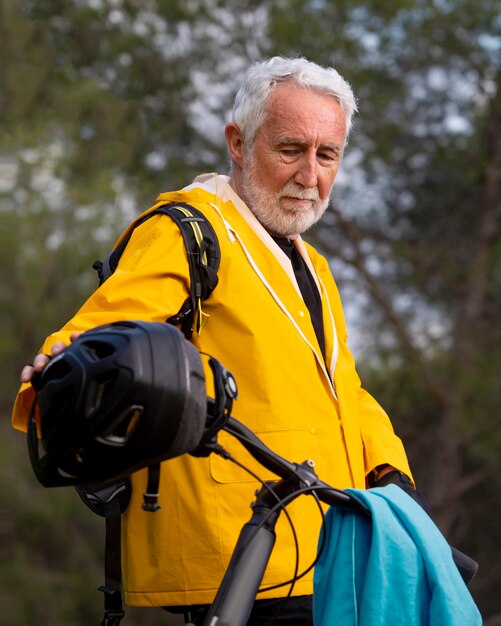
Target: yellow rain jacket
<point x="260" y="329"/>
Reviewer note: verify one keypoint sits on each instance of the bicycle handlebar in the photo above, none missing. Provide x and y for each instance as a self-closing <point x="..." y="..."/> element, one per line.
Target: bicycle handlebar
<point x="326" y="493"/>
<point x="287" y="470"/>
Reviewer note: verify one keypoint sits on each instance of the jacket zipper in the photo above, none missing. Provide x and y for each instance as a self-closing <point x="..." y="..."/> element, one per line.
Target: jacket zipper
<point x="335" y="349"/>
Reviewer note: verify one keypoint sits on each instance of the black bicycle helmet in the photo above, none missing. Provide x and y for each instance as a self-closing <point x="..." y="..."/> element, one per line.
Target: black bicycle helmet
<point x="121" y="397"/>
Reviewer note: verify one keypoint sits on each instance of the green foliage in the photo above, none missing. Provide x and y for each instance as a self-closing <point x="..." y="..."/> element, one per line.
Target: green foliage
<point x="50" y="560"/>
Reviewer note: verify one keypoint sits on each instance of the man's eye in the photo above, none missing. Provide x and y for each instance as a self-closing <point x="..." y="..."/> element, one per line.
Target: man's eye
<point x="328" y="156"/>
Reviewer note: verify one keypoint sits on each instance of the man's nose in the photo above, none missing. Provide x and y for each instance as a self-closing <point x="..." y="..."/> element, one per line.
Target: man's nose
<point x="306" y="174"/>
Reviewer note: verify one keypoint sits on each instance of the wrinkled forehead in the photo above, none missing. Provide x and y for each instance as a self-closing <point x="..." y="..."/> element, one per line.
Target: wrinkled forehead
<point x="296" y="111"/>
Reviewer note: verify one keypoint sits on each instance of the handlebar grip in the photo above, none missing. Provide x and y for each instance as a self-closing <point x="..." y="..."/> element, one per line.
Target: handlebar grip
<point x="467" y="566"/>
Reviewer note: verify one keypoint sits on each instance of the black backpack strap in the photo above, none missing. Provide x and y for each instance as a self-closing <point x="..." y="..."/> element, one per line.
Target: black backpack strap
<point x="110" y="502"/>
<point x="150" y="497"/>
<point x="112" y="588"/>
<point x="203" y="253"/>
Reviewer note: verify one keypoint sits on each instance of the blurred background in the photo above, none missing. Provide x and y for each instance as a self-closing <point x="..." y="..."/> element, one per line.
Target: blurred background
<point x="106" y="103"/>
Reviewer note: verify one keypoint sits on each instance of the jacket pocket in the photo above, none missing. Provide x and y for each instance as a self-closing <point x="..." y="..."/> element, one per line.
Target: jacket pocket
<point x="294" y="445"/>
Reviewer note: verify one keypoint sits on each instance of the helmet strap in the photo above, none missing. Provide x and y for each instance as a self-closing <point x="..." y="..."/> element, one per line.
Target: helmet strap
<point x="218" y="408"/>
<point x="150" y="497"/>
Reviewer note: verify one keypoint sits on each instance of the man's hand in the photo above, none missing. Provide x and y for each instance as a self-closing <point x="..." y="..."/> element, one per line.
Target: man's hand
<point x="394" y="477"/>
<point x="41" y="361"/>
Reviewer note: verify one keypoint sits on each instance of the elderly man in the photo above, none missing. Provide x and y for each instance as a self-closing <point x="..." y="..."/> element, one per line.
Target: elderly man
<point x="275" y="320"/>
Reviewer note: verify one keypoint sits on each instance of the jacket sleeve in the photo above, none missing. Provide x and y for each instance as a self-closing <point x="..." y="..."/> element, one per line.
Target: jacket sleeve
<point x="381" y="445"/>
<point x="150" y="284"/>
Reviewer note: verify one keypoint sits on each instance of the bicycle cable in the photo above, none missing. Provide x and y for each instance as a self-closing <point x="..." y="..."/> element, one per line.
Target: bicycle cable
<point x="320" y="548"/>
<point x="281" y="504"/>
<point x="296" y="575"/>
<point x="322" y="545"/>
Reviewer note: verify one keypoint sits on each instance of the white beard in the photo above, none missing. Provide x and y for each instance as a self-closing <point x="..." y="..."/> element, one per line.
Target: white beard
<point x="276" y="213"/>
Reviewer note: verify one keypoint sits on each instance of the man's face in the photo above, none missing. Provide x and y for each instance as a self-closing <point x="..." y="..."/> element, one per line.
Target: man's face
<point x="288" y="171"/>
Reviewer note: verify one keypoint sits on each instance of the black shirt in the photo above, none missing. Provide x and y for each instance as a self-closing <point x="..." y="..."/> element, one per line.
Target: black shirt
<point x="307" y="286"/>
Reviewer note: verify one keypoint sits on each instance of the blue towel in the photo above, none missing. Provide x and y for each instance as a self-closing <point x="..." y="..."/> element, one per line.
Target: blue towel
<point x="392" y="569"/>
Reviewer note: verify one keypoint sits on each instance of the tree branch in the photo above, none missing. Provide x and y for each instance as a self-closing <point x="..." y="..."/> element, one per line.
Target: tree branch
<point x="358" y="260"/>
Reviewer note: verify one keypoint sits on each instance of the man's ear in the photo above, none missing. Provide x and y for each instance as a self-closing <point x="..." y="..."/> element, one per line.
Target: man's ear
<point x="235" y="141"/>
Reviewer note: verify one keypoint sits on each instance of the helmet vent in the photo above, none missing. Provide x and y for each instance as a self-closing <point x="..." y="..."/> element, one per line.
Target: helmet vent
<point x="122" y="427"/>
<point x="58" y="369"/>
<point x="97" y="350"/>
<point x="98" y="391"/>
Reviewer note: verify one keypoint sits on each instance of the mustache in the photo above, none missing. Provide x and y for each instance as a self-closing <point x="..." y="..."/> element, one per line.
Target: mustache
<point x="293" y="190"/>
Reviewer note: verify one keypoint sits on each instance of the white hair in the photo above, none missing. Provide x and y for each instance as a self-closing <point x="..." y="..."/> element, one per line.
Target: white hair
<point x="249" y="110"/>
